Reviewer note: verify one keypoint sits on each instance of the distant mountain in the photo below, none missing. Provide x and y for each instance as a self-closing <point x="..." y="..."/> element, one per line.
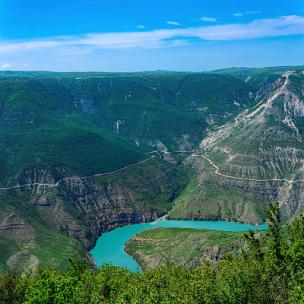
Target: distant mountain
<point x="253" y="160"/>
<point x="261" y="79"/>
<point x="40" y="130"/>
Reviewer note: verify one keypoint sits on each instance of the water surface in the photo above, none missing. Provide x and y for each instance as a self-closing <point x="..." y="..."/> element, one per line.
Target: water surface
<point x="109" y="248"/>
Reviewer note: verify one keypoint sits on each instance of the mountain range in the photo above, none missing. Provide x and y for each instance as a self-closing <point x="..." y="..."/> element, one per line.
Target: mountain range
<point x="82" y="153"/>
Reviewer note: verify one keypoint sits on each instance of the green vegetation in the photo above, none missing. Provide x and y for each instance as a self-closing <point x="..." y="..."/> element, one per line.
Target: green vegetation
<point x="182" y="247"/>
<point x="152" y="185"/>
<point x="144" y="107"/>
<point x="41" y="131"/>
<point x="267" y="272"/>
<point x="211" y="201"/>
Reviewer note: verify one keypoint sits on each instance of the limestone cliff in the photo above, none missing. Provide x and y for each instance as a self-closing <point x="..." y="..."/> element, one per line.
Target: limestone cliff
<point x="257" y="158"/>
<point x="82" y="208"/>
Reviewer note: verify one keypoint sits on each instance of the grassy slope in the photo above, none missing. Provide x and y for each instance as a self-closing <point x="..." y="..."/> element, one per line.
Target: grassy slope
<point x="40" y="129"/>
<point x="37" y="244"/>
<point x="154" y="184"/>
<point x="178" y="246"/>
<point x="213" y="202"/>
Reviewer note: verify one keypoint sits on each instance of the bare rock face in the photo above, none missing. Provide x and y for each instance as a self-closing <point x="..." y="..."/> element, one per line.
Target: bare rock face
<point x="103" y="208"/>
<point x="85" y="104"/>
<point x="256" y="159"/>
<point x="15" y="228"/>
<point x="215" y="253"/>
<point x="212" y="254"/>
<point x="23" y="260"/>
<point x="85" y="207"/>
<point x="100" y="208"/>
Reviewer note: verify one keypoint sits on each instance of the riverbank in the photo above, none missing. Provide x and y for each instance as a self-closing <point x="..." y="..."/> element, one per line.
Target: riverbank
<point x="110" y="246"/>
<point x="181" y="246"/>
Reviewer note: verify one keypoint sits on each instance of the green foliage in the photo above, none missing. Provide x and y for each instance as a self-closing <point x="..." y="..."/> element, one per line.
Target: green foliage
<point x="12" y="288"/>
<point x="41" y="111"/>
<point x="247" y="278"/>
<point x="295" y="260"/>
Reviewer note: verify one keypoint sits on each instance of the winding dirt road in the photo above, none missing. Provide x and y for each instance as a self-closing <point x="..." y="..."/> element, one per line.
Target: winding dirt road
<point x="217" y="171"/>
<point x="75" y="177"/>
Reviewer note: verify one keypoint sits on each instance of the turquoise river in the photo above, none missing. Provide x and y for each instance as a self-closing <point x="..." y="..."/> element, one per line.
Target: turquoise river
<point x="109" y="248"/>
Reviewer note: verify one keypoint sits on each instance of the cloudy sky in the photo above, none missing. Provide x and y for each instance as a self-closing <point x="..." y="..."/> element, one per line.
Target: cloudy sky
<point x="136" y="35"/>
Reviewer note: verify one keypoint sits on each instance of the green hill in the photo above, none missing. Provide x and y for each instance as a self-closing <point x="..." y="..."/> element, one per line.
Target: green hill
<point x="40" y="130"/>
<point x="145" y="107"/>
<point x="182" y="247"/>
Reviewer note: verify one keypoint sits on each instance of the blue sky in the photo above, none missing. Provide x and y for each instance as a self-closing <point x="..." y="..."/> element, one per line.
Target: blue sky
<point x="126" y="35"/>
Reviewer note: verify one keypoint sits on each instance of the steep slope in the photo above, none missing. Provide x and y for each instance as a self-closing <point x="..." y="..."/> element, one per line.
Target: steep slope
<point x="251" y="161"/>
<point x="40" y="131"/>
<point x="144" y="107"/>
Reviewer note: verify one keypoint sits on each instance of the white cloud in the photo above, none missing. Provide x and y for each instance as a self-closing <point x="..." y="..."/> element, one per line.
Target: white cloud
<point x="208" y="19"/>
<point x="261" y="28"/>
<point x="173" y="23"/>
<point x="5" y="66"/>
<point x="239" y="14"/>
<point x="141" y="27"/>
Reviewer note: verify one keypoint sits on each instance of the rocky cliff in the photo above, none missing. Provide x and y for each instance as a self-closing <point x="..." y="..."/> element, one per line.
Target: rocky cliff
<point x="257" y="158"/>
<point x="82" y="208"/>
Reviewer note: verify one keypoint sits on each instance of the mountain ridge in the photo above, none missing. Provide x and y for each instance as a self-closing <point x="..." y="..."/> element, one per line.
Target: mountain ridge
<point x="256" y="158"/>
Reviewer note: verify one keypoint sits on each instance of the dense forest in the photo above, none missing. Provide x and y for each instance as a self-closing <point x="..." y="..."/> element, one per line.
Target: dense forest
<point x="269" y="269"/>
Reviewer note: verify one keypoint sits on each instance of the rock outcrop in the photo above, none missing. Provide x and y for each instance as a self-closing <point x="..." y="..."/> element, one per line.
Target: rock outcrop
<point x="258" y="158"/>
<point x="84" y="208"/>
